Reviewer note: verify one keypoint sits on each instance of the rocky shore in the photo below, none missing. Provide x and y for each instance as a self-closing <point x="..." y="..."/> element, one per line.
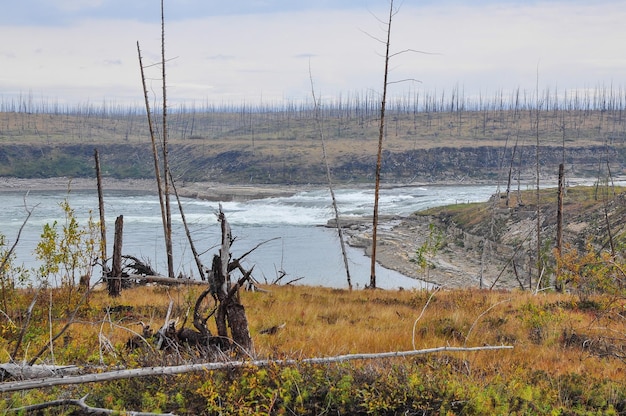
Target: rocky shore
<point x="399" y="238"/>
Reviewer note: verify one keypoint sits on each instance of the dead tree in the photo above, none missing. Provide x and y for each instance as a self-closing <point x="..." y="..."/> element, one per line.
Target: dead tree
<point x="230" y="312"/>
<point x="103" y="233"/>
<point x="381" y="135"/>
<point x="114" y="282"/>
<point x="320" y="129"/>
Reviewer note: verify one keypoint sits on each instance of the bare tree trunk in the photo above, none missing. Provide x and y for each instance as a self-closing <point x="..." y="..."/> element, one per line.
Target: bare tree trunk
<point x="196" y="256"/>
<point x="559" y="224"/>
<point x="155" y="153"/>
<point x="230" y="312"/>
<point x="166" y="169"/>
<point x="219" y="280"/>
<point x="539" y="262"/>
<point x="114" y="282"/>
<point x="103" y="231"/>
<point x="381" y="134"/>
<point x="330" y="183"/>
<point x="608" y="226"/>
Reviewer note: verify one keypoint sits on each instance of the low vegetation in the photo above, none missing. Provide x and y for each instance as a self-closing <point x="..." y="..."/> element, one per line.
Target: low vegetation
<point x="568" y="358"/>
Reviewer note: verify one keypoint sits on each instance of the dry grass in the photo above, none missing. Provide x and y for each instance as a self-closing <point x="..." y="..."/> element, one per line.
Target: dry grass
<point x="551" y="332"/>
<point x="561" y="346"/>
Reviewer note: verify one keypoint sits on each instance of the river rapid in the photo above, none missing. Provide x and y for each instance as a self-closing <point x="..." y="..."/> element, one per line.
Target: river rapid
<point x="289" y="230"/>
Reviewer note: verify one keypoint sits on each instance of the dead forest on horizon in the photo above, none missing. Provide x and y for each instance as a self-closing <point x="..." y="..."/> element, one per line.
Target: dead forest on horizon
<point x="426" y="136"/>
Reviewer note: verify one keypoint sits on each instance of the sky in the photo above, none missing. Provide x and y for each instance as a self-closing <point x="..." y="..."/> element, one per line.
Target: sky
<point x="269" y="51"/>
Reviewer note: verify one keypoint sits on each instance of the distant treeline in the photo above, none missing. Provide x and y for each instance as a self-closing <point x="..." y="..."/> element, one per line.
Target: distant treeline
<point x="428" y="136"/>
<point x="603" y="98"/>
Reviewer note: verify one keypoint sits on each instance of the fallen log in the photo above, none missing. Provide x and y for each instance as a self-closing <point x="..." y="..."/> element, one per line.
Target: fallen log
<point x="165" y="280"/>
<point x="189" y="368"/>
<point x="25" y="371"/>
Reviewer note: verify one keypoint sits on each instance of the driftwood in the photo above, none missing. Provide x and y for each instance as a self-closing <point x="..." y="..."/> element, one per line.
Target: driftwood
<point x="189" y="368"/>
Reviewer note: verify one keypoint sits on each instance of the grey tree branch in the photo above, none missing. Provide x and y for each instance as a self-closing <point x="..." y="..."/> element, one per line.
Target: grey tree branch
<point x="81" y="404"/>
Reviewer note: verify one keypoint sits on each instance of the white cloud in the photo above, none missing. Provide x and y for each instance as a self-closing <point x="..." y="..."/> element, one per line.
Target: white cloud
<point x="267" y="56"/>
<point x="77" y="5"/>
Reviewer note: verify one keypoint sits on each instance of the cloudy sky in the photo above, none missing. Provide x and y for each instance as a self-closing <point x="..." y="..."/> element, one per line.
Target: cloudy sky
<point x="235" y="51"/>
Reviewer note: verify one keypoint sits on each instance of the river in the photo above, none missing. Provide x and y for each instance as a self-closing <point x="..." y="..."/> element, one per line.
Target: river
<point x="296" y="242"/>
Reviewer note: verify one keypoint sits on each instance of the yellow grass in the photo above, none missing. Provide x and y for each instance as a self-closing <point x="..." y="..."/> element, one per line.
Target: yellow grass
<point x="325" y="322"/>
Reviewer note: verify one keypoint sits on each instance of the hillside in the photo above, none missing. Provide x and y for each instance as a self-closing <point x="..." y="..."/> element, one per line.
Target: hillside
<point x="283" y="146"/>
<point x="492" y="244"/>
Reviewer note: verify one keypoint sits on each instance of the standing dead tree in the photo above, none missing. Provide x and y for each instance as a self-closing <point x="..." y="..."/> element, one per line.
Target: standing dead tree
<point x="166" y="168"/>
<point x="381" y="135"/>
<point x="162" y="178"/>
<point x="103" y="231"/>
<point x="114" y="282"/>
<point x="155" y="153"/>
<point x="230" y="312"/>
<point x="381" y="132"/>
<point x="318" y="121"/>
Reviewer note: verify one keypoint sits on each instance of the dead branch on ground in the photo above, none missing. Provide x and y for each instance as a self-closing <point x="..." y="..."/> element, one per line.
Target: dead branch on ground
<point x="78" y="403"/>
<point x="189" y="368"/>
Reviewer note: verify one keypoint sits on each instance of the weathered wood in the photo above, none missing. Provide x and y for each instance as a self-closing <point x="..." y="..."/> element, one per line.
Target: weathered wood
<point x="329" y="178"/>
<point x="221" y="294"/>
<point x="115" y="285"/>
<point x="198" y="321"/>
<point x="162" y="280"/>
<point x="103" y="232"/>
<point x="189" y="368"/>
<point x="559" y="223"/>
<point x="238" y="324"/>
<point x="165" y="153"/>
<point x="155" y="156"/>
<point x="27" y="372"/>
<point x="230" y="312"/>
<point x="227" y="240"/>
<point x="86" y="409"/>
<point x="196" y="256"/>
